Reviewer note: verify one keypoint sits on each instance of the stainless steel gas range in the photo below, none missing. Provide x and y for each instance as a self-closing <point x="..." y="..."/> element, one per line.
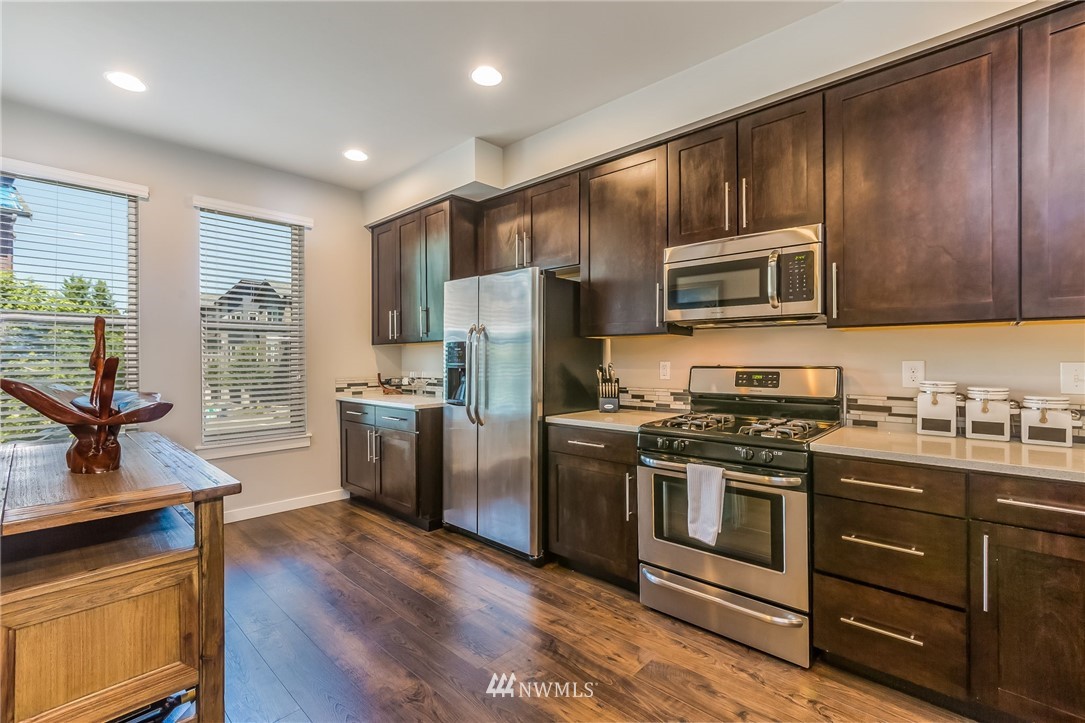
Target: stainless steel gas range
<point x="752" y="583"/>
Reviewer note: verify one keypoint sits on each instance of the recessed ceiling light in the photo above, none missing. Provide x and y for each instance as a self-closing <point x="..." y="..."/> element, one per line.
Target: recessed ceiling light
<point x="125" y="81"/>
<point x="355" y="155"/>
<point x="486" y="75"/>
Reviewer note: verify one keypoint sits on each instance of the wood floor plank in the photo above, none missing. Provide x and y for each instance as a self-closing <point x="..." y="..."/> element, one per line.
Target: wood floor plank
<point x="255" y="694"/>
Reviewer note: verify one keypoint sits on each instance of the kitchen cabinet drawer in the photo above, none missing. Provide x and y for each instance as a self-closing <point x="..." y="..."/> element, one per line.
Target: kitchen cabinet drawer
<point x="914" y="488"/>
<point x="618" y="447"/>
<point x="1038" y="504"/>
<point x="401" y="419"/>
<point x="912" y="552"/>
<point x="355" y="412"/>
<point x="920" y="642"/>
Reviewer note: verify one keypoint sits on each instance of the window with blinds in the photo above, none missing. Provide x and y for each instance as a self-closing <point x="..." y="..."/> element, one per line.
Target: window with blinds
<point x="67" y="254"/>
<point x="252" y="329"/>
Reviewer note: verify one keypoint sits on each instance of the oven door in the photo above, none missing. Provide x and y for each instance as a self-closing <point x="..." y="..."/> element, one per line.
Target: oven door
<point x="762" y="548"/>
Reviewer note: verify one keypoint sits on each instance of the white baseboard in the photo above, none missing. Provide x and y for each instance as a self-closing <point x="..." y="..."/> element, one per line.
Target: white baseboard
<point x="294" y="503"/>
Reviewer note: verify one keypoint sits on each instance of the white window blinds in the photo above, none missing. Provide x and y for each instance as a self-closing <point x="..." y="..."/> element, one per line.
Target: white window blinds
<point x="252" y="329"/>
<point x="67" y="254"/>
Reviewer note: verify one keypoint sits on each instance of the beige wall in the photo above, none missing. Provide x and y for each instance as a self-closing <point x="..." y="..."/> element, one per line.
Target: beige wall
<point x="337" y="294"/>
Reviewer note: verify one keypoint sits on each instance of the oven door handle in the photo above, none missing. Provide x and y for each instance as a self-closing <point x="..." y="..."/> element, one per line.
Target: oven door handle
<point x="791" y="621"/>
<point x="761" y="479"/>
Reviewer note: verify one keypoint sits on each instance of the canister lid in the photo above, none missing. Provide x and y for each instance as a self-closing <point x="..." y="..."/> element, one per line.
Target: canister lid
<point x="992" y="393"/>
<point x="939" y="387"/>
<point x="1042" y="402"/>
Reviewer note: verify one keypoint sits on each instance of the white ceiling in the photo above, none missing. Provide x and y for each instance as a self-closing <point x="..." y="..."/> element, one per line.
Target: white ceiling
<point x="292" y="84"/>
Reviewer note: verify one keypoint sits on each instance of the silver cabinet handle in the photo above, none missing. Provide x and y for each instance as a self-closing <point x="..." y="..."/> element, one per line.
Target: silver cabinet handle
<point x="516" y="247"/>
<point x="1038" y="506"/>
<point x="882" y="631"/>
<point x="390" y="336"/>
<point x="790" y="621"/>
<point x="395" y="419"/>
<point x="369" y="445"/>
<point x="773" y="280"/>
<point x="480" y="337"/>
<point x="378" y="441"/>
<point x="469" y="371"/>
<point x="726" y="205"/>
<point x="659" y="297"/>
<point x="986" y="551"/>
<point x="834" y="291"/>
<point x="881" y="485"/>
<point x="587" y="444"/>
<point x="527" y="253"/>
<point x="883" y="545"/>
<point x="745" y="221"/>
<point x="628" y="512"/>
<point x="422" y="320"/>
<point x="727" y="473"/>
<point x="356" y="414"/>
<point x="396" y="317"/>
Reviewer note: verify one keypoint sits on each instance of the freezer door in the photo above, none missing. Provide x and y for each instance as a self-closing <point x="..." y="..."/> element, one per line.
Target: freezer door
<point x="509" y="351"/>
<point x="460" y="433"/>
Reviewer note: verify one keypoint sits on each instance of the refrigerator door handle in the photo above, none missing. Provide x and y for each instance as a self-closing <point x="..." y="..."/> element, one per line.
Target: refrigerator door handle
<point x="468" y="374"/>
<point x="479" y="372"/>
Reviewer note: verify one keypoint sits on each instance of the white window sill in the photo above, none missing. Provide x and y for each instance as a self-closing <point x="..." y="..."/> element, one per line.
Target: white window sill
<point x="244" y="449"/>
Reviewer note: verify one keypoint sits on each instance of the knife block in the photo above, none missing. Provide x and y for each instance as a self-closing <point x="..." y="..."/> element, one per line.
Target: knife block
<point x="608" y="397"/>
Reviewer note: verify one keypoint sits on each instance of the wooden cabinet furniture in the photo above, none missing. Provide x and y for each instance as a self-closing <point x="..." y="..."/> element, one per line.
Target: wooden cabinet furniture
<point x="623" y="231"/>
<point x="1028" y="584"/>
<point x="537" y="226"/>
<point x="112" y="593"/>
<point x="991" y="612"/>
<point x="592" y="490"/>
<point x="921" y="189"/>
<point x="1053" y="165"/>
<point x="762" y="172"/>
<point x="391" y="457"/>
<point x="413" y="256"/>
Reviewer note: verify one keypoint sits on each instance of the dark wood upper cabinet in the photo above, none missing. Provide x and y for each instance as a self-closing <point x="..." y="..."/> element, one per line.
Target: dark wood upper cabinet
<point x="781" y="166"/>
<point x="921" y="189"/>
<point x="499" y="231"/>
<point x="623" y="231"/>
<point x="385" y="280"/>
<point x="702" y="176"/>
<point x="406" y="324"/>
<point x="1053" y="165"/>
<point x="435" y="237"/>
<point x="1028" y="650"/>
<point x="552" y="223"/>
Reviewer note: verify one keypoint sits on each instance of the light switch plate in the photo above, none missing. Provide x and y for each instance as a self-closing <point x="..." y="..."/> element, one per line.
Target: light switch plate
<point x="912" y="373"/>
<point x="664" y="370"/>
<point x="1072" y="377"/>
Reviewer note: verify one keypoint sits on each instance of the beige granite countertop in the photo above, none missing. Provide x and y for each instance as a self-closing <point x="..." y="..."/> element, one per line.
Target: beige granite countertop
<point x="624" y="420"/>
<point x="1056" y="463"/>
<point x="399" y="401"/>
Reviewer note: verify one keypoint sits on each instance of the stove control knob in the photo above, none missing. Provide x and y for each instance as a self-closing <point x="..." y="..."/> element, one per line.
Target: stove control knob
<point x="663" y="443"/>
<point x="766" y="456"/>
<point x="745" y="452"/>
<point x="680" y="444"/>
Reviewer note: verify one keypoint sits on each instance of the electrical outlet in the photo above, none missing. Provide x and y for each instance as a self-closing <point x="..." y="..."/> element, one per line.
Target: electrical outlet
<point x="912" y="373"/>
<point x="664" y="370"/>
<point x="1072" y="377"/>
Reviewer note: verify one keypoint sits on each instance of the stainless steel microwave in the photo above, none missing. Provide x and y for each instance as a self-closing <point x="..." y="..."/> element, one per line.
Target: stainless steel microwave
<point x="759" y="279"/>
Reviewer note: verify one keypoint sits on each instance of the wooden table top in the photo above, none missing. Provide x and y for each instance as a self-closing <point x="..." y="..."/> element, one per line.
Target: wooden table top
<point x="38" y="490"/>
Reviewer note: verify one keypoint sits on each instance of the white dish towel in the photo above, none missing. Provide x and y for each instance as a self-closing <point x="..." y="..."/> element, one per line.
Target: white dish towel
<point x="705" y="487"/>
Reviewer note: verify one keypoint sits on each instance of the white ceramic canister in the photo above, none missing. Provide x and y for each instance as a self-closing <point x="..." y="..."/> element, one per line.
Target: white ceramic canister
<point x="1046" y="420"/>
<point x="936" y="408"/>
<point x="987" y="413"/>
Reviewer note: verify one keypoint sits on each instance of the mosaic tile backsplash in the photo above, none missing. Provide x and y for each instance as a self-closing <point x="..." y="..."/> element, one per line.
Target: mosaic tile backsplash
<point x="425" y="386"/>
<point x="654" y="400"/>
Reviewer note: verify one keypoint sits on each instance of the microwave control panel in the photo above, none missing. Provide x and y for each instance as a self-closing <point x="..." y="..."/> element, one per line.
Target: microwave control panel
<point x="797" y="277"/>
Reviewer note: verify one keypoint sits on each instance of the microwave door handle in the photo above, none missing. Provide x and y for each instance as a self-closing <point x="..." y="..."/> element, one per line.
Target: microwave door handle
<point x="774" y="279"/>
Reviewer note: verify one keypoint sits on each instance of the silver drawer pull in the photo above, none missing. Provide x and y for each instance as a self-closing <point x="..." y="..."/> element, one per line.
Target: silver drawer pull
<point x="578" y="443"/>
<point x="356" y="414"/>
<point x="881" y="631"/>
<point x="881" y="485"/>
<point x="395" y="419"/>
<point x="1038" y="506"/>
<point x="883" y="545"/>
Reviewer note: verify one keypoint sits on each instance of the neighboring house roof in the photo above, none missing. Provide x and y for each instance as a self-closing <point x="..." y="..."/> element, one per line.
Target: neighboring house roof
<point x="259" y="292"/>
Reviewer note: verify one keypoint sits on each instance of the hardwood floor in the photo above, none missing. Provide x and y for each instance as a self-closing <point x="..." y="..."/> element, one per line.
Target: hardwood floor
<point x="338" y="613"/>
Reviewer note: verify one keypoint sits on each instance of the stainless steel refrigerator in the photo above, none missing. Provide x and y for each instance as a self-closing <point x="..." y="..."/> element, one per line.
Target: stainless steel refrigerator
<point x="512" y="357"/>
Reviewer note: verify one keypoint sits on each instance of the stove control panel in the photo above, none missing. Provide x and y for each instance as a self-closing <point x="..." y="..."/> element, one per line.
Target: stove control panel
<point x="757" y="379"/>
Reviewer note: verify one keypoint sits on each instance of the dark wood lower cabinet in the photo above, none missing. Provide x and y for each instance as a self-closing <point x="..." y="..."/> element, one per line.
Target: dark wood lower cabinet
<point x="1028" y="622"/>
<point x="396" y="464"/>
<point x="592" y="515"/>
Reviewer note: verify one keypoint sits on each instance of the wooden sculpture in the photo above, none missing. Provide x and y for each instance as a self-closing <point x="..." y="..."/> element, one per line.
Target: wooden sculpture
<point x="94" y="419"/>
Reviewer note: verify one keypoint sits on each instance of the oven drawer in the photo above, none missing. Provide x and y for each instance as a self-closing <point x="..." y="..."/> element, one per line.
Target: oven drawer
<point x="1038" y="504"/>
<point x="618" y="447"/>
<point x="912" y="552"/>
<point x="920" y="642"/>
<point x="914" y="488"/>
